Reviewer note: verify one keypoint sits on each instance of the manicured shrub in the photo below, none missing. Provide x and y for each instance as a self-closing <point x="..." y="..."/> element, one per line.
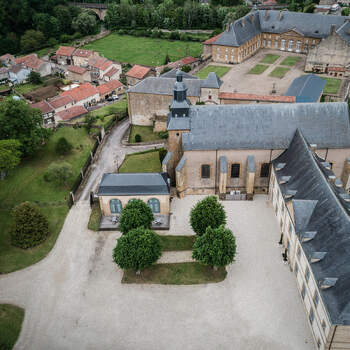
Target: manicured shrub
<point x="63" y="146"/>
<point x="207" y="212"/>
<point x="186" y="68"/>
<point x="135" y="214"/>
<point x="163" y="134"/>
<point x="30" y="226"/>
<point x="35" y="78"/>
<point x="165" y="69"/>
<point x="138" y="138"/>
<point x="175" y="35"/>
<point x="216" y="247"/>
<point x="139" y="249"/>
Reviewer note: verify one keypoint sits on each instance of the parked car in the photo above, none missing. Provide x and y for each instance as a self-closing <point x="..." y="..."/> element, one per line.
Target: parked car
<point x="112" y="98"/>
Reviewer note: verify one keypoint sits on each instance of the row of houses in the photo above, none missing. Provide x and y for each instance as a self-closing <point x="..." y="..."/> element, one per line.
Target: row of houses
<point x="87" y="65"/>
<point x="74" y="103"/>
<point x="17" y="70"/>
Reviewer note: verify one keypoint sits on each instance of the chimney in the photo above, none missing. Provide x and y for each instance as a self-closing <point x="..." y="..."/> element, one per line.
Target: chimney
<point x="281" y="15"/>
<point x="332" y="178"/>
<point x="243" y="23"/>
<point x="266" y="15"/>
<point x="251" y="18"/>
<point x="332" y="29"/>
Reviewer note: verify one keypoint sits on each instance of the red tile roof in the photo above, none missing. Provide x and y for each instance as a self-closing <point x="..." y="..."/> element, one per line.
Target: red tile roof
<point x="212" y="40"/>
<point x="22" y="59"/>
<point x="65" y="51"/>
<point x="100" y="63"/>
<point x="336" y="69"/>
<point x="7" y="56"/>
<point x="73" y="112"/>
<point x="111" y="72"/>
<point x="138" y="72"/>
<point x="109" y="87"/>
<point x="60" y="101"/>
<point x="83" y="53"/>
<point x="253" y="97"/>
<point x="189" y="60"/>
<point x="43" y="106"/>
<point x="77" y="69"/>
<point x="81" y="92"/>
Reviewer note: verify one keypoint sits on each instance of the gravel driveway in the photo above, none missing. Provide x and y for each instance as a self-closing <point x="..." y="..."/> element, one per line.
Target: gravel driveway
<point x="74" y="299"/>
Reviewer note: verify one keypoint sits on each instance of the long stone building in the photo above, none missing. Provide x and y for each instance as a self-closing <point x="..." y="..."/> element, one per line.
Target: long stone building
<point x="279" y="30"/>
<point x="313" y="212"/>
<point x="224" y="148"/>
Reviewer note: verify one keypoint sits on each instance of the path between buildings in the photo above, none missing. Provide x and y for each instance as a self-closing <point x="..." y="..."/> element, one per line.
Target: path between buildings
<point x="111" y="157"/>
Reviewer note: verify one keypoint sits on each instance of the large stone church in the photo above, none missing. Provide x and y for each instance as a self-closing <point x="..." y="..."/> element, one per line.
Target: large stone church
<point x="325" y="38"/>
<point x="224" y="148"/>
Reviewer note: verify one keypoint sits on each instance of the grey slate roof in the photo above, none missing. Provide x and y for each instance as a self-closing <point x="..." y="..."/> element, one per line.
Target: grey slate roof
<point x="343" y="31"/>
<point x="165" y="86"/>
<point x="308" y="24"/>
<point x="172" y="74"/>
<point x="265" y="126"/>
<point x="167" y="158"/>
<point x="181" y="164"/>
<point x="212" y="81"/>
<point x="129" y="184"/>
<point x="183" y="123"/>
<point x="307" y="88"/>
<point x="319" y="208"/>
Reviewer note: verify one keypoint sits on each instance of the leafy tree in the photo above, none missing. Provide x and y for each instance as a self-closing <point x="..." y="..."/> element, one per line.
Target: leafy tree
<point x="10" y="155"/>
<point x="138" y="138"/>
<point x="241" y="11"/>
<point x="64" y="17"/>
<point x="90" y="120"/>
<point x="47" y="24"/>
<point x="167" y="59"/>
<point x="207" y="212"/>
<point x="21" y="122"/>
<point x="345" y="11"/>
<point x="186" y="68"/>
<point x="63" y="146"/>
<point x="85" y="23"/>
<point x="35" y="78"/>
<point x="30" y="226"/>
<point x="139" y="249"/>
<point x="59" y="173"/>
<point x="217" y="247"/>
<point x="32" y="40"/>
<point x="135" y="214"/>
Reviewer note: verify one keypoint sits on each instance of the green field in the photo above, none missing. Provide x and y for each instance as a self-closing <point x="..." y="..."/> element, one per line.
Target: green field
<point x="142" y="162"/>
<point x="290" y="61"/>
<point x="140" y="50"/>
<point x="113" y="108"/>
<point x="258" y="69"/>
<point x="176" y="243"/>
<point x="11" y="318"/>
<point x="219" y="70"/>
<point x="146" y="133"/>
<point x="279" y="72"/>
<point x="269" y="58"/>
<point x="25" y="88"/>
<point x="178" y="273"/>
<point x="26" y="183"/>
<point x="332" y="85"/>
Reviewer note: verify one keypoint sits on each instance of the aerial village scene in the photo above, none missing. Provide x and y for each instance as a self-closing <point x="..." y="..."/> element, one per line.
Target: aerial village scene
<point x="174" y="174"/>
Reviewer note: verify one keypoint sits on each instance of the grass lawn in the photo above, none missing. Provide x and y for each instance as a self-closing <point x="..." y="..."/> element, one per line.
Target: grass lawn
<point x="171" y="243"/>
<point x="95" y="216"/>
<point x="219" y="70"/>
<point x="140" y="50"/>
<point x="25" y="88"/>
<point x="102" y="121"/>
<point x="178" y="273"/>
<point x="4" y="87"/>
<point x="116" y="107"/>
<point x="146" y="133"/>
<point x="142" y="162"/>
<point x="269" y="58"/>
<point x="11" y="318"/>
<point x="279" y="72"/>
<point x="332" y="85"/>
<point x="26" y="183"/>
<point x="258" y="69"/>
<point x="290" y="61"/>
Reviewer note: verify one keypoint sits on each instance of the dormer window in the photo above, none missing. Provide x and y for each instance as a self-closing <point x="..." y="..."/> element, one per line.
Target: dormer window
<point x="327" y="282"/>
<point x="289" y="194"/>
<point x="284" y="179"/>
<point x="280" y="166"/>
<point x="317" y="256"/>
<point x="308" y="236"/>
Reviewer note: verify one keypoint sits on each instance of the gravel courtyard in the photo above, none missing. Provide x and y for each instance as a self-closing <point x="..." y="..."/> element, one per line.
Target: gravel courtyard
<point x="237" y="78"/>
<point x="73" y="299"/>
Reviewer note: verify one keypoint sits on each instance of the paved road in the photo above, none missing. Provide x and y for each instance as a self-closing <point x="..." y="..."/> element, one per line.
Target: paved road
<point x="73" y="299"/>
<point x="111" y="157"/>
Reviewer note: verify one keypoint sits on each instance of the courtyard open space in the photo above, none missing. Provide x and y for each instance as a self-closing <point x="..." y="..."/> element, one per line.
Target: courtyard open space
<point x="73" y="299"/>
<point x="239" y="80"/>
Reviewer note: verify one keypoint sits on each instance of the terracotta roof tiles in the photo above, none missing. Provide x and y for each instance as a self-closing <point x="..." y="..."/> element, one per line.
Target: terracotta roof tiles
<point x="77" y="69"/>
<point x="81" y="92"/>
<point x="73" y="112"/>
<point x="109" y="87"/>
<point x="138" y="72"/>
<point x="65" y="51"/>
<point x="43" y="106"/>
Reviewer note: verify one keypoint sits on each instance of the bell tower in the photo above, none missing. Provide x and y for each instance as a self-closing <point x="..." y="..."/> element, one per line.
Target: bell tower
<point x="180" y="105"/>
